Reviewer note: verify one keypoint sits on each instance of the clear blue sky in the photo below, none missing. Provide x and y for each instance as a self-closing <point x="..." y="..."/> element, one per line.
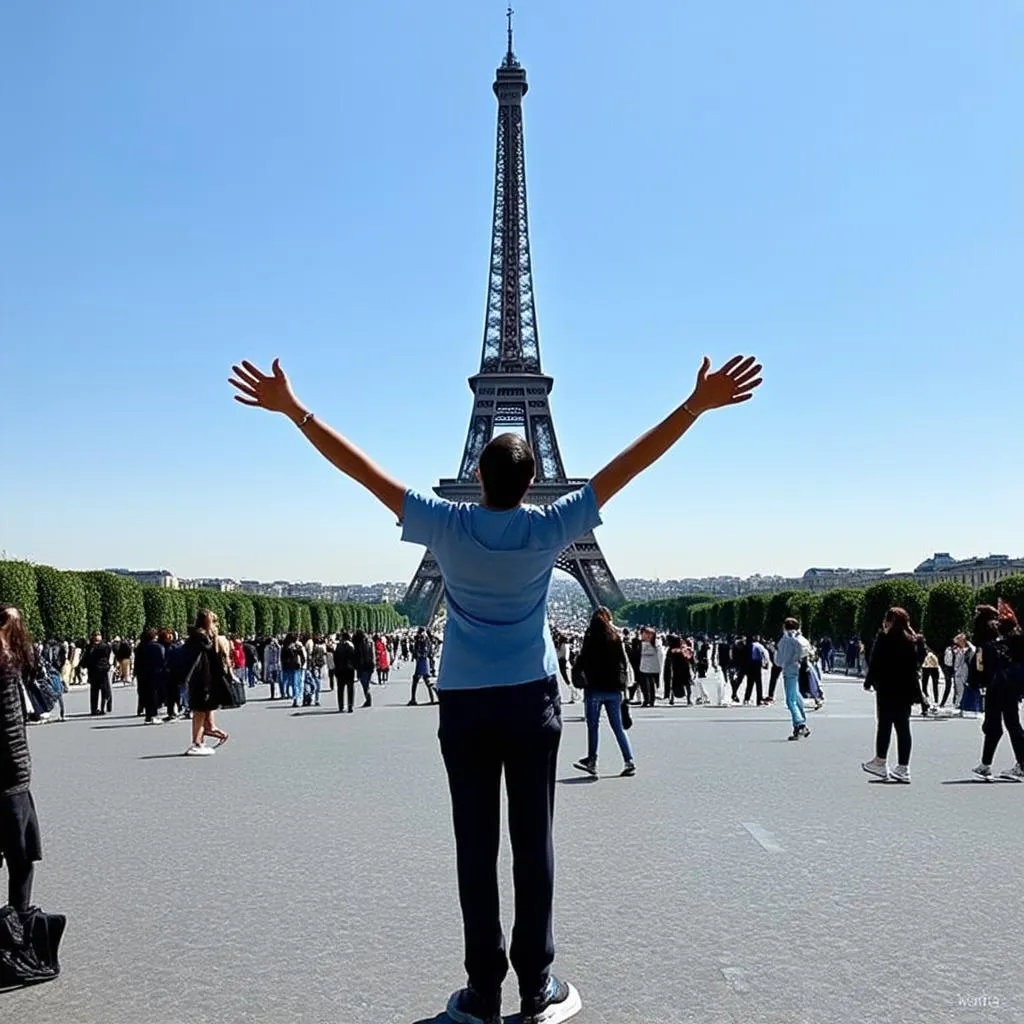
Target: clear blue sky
<point x="834" y="185"/>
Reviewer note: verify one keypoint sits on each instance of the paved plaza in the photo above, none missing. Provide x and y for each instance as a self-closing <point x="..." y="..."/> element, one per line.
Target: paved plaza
<point x="305" y="874"/>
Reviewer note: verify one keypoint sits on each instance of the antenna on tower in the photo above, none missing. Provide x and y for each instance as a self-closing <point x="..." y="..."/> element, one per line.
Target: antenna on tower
<point x="508" y="14"/>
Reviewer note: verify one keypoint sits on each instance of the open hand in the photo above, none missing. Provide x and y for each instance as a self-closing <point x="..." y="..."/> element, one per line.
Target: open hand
<point x="273" y="393"/>
<point x="733" y="383"/>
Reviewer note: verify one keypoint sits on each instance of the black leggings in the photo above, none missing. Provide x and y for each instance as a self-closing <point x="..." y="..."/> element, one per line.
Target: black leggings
<point x="346" y="688"/>
<point x="933" y="675"/>
<point x="19" y="884"/>
<point x="893" y="714"/>
<point x="1002" y="707"/>
<point x="948" y="687"/>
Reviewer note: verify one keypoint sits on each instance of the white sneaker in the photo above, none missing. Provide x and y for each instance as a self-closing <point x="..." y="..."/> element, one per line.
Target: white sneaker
<point x="983" y="771"/>
<point x="199" y="750"/>
<point x="1013" y="774"/>
<point x="901" y="773"/>
<point x="881" y="769"/>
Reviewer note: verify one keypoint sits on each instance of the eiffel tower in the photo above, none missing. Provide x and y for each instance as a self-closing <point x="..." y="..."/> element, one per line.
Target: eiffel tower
<point x="511" y="392"/>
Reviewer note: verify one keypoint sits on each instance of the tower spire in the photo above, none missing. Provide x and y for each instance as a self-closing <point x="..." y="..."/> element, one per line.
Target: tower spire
<point x="510" y="56"/>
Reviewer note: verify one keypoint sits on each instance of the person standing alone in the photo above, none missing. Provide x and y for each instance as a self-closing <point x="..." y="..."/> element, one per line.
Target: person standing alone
<point x="500" y="711"/>
<point x="96" y="662"/>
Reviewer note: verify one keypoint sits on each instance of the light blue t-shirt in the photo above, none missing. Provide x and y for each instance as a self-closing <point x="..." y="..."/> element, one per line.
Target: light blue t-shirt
<point x="497" y="573"/>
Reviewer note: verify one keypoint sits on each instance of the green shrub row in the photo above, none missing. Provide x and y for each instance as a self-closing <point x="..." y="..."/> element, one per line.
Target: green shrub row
<point x="939" y="611"/>
<point x="60" y="604"/>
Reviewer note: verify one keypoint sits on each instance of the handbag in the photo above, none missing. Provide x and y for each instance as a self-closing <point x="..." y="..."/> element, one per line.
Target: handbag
<point x="627" y="715"/>
<point x="29" y="945"/>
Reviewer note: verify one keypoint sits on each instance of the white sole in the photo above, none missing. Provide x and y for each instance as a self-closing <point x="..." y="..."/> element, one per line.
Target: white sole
<point x="562" y="1011"/>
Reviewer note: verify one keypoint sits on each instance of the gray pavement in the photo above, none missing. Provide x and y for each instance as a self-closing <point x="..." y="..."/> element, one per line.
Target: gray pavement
<point x="305" y="873"/>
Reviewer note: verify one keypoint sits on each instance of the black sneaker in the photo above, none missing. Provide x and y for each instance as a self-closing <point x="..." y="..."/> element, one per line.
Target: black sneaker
<point x="586" y="765"/>
<point x="629" y="770"/>
<point x="467" y="1006"/>
<point x="804" y="731"/>
<point x="560" y="1002"/>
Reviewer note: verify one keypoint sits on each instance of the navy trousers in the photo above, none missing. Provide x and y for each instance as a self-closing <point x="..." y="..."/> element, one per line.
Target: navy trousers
<point x="484" y="732"/>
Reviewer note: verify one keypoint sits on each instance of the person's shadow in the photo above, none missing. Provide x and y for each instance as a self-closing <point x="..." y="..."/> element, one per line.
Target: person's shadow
<point x="443" y="1018"/>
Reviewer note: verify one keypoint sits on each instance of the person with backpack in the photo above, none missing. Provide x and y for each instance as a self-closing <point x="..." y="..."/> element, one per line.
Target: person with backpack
<point x="1001" y="663"/>
<point x="421" y="666"/>
<point x="500" y="711"/>
<point x="293" y="668"/>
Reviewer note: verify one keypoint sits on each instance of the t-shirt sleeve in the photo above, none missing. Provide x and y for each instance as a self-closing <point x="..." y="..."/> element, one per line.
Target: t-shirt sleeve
<point x="424" y="519"/>
<point x="571" y="517"/>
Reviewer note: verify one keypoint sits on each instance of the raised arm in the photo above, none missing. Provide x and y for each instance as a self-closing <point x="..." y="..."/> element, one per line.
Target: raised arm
<point x="733" y="383"/>
<point x="273" y="392"/>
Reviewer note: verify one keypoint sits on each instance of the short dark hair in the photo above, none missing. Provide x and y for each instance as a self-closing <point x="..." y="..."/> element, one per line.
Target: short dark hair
<point x="791" y="624"/>
<point x="507" y="467"/>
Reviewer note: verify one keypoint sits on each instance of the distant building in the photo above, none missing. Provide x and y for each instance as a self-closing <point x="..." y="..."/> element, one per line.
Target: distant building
<point x="831" y="579"/>
<point x="150" y="577"/>
<point x="212" y="583"/>
<point x="975" y="572"/>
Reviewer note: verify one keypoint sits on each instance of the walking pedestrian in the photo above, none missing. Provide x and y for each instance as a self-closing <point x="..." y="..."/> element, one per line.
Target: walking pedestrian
<point x="893" y="667"/>
<point x="601" y="666"/>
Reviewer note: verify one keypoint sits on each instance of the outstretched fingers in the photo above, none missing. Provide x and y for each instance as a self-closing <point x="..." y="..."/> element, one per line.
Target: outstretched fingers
<point x="748" y="374"/>
<point x="243" y="385"/>
<point x="740" y="368"/>
<point x="253" y="370"/>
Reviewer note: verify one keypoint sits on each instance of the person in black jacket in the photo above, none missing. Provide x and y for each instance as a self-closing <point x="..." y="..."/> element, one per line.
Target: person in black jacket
<point x="345" y="671"/>
<point x="206" y="679"/>
<point x="893" y="673"/>
<point x="20" y="843"/>
<point x="678" y="671"/>
<point x="1001" y="672"/>
<point x="601" y="670"/>
<point x="150" y="669"/>
<point x="96" y="662"/>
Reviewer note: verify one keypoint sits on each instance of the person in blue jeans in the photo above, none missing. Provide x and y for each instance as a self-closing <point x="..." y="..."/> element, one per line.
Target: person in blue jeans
<point x="792" y="650"/>
<point x="500" y="711"/>
<point x="601" y="668"/>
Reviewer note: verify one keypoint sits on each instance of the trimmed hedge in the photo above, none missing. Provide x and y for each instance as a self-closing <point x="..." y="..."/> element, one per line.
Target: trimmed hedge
<point x="18" y="587"/>
<point x="949" y="610"/>
<point x="939" y="611"/>
<point x="71" y="605"/>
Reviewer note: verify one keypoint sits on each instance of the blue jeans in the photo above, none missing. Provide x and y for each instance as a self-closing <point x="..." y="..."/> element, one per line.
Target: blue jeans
<point x="293" y="684"/>
<point x="795" y="703"/>
<point x="314" y="679"/>
<point x="612" y="703"/>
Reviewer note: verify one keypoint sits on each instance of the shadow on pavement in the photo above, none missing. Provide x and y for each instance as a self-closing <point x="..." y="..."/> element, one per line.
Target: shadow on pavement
<point x="580" y="780"/>
<point x="158" y="757"/>
<point x="443" y="1018"/>
<point x="123" y="725"/>
<point x="975" y="782"/>
<point x="316" y="711"/>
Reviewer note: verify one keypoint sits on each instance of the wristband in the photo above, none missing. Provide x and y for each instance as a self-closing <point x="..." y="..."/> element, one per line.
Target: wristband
<point x="689" y="411"/>
<point x="305" y="419"/>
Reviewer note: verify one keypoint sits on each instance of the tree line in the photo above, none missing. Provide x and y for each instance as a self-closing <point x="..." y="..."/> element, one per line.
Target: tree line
<point x="939" y="611"/>
<point x="62" y="604"/>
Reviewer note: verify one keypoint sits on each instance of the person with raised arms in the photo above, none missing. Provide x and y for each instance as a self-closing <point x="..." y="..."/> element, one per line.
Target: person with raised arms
<point x="500" y="709"/>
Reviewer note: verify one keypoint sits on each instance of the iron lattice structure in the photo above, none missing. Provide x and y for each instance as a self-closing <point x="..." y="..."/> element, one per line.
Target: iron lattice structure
<point x="511" y="392"/>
